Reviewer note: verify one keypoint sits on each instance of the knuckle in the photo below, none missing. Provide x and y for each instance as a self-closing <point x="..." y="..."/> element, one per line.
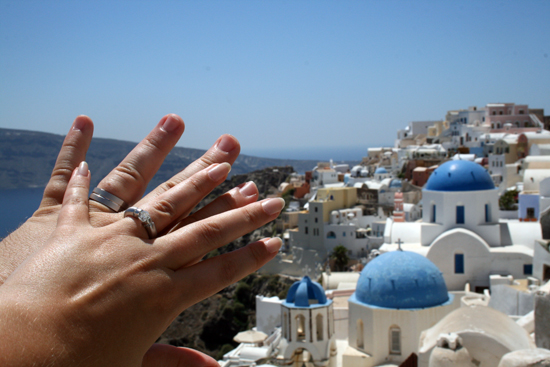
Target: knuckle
<point x="62" y="172"/>
<point x="194" y="184"/>
<point x="226" y="202"/>
<point x="78" y="201"/>
<point x="168" y="185"/>
<point x="164" y="207"/>
<point x="211" y="232"/>
<point x="153" y="144"/>
<point x="128" y="171"/>
<point x="250" y="215"/>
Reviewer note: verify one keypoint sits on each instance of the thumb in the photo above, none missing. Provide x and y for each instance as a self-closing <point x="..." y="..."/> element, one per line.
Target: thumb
<point x="170" y="356"/>
<point x="75" y="201"/>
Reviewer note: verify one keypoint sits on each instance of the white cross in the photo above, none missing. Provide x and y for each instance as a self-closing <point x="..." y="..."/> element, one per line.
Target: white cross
<point x="399" y="242"/>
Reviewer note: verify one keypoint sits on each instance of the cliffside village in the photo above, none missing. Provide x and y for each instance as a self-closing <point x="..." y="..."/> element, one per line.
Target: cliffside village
<point x="434" y="252"/>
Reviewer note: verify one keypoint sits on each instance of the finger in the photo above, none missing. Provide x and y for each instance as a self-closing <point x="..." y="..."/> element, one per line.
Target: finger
<point x="237" y="197"/>
<point x="129" y="179"/>
<point x="170" y="356"/>
<point x="189" y="244"/>
<point x="75" y="202"/>
<point x="181" y="199"/>
<point x="212" y="275"/>
<point x="225" y="149"/>
<point x="73" y="151"/>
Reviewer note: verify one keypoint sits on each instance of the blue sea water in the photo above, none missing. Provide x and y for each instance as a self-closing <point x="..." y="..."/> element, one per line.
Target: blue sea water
<point x="16" y="206"/>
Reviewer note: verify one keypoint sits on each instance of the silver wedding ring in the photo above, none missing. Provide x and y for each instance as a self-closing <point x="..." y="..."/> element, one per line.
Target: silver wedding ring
<point x="106" y="198"/>
<point x="145" y="219"/>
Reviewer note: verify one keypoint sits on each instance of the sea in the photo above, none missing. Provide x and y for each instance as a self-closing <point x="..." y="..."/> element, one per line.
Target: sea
<point x="16" y="206"/>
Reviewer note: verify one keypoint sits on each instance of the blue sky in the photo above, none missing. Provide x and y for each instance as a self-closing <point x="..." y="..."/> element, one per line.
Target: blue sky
<point x="287" y="78"/>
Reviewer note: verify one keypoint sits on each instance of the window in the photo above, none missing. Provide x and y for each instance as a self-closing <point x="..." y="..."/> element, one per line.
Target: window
<point x="319" y="324"/>
<point x="432" y="219"/>
<point x="301" y="328"/>
<point x="286" y="327"/>
<point x="487" y="213"/>
<point x="344" y="234"/>
<point x="545" y="272"/>
<point x="528" y="269"/>
<point x="316" y="209"/>
<point x="459" y="263"/>
<point x="359" y="331"/>
<point x="306" y="231"/>
<point x="395" y="340"/>
<point x="331" y="234"/>
<point x="460" y="214"/>
<point x="316" y="219"/>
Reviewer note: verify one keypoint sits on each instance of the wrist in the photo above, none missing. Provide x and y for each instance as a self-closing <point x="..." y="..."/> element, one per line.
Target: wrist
<point x="28" y="334"/>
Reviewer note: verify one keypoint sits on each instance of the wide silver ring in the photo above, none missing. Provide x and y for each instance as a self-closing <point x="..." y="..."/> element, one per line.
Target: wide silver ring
<point x="145" y="219"/>
<point x="109" y="200"/>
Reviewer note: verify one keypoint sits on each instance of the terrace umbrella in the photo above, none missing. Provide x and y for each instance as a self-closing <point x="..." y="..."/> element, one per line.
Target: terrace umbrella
<point x="250" y="336"/>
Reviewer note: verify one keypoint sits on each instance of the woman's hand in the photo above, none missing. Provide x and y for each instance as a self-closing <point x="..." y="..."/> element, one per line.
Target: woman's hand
<point x="127" y="181"/>
<point x="101" y="294"/>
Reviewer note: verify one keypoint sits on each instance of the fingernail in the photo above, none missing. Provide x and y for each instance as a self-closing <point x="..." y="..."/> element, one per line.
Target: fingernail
<point x="248" y="189"/>
<point x="170" y="124"/>
<point x="273" y="244"/>
<point x="79" y="124"/>
<point x="226" y="144"/>
<point x="272" y="206"/>
<point x="82" y="169"/>
<point x="219" y="171"/>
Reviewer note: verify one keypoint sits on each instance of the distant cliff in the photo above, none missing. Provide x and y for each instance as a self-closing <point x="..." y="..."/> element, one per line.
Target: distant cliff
<point x="27" y="159"/>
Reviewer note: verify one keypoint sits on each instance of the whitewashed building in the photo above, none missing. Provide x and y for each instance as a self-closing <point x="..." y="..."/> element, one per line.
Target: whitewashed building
<point x="399" y="294"/>
<point x="461" y="232"/>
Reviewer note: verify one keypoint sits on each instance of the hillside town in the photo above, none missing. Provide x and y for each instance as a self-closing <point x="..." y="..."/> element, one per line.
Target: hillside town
<point x="433" y="252"/>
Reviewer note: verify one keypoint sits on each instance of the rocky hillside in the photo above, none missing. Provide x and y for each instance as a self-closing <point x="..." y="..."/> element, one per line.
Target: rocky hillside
<point x="210" y="325"/>
<point x="27" y="159"/>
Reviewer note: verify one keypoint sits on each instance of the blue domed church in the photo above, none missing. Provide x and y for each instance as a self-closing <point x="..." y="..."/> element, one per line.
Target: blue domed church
<point x="399" y="294"/>
<point x="307" y="326"/>
<point x="461" y="232"/>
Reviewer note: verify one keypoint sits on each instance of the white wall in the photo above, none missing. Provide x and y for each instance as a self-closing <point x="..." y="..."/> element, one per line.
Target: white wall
<point x="476" y="258"/>
<point x="378" y="321"/>
<point x="474" y="213"/>
<point x="268" y="313"/>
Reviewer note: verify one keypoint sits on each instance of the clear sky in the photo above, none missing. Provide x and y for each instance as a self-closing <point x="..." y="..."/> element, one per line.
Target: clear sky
<point x="284" y="77"/>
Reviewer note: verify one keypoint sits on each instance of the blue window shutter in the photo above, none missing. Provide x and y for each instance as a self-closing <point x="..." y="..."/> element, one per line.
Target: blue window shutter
<point x="459" y="263"/>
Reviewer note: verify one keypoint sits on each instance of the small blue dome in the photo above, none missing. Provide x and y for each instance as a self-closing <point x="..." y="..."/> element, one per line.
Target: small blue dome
<point x="459" y="176"/>
<point x="306" y="293"/>
<point x="401" y="280"/>
<point x="396" y="183"/>
<point x="381" y="170"/>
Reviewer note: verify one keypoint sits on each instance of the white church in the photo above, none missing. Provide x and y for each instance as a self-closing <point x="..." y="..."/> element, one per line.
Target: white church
<point x="461" y="232"/>
<point x="411" y="305"/>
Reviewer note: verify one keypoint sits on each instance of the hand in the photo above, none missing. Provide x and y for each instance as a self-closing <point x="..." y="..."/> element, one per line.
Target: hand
<point x="127" y="181"/>
<point x="101" y="295"/>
